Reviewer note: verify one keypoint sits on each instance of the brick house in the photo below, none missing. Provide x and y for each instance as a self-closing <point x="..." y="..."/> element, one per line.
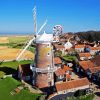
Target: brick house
<point x="59" y="48"/>
<point x="84" y="65"/>
<point x="84" y="56"/>
<point x="79" y="48"/>
<point x="25" y="73"/>
<point x="94" y="50"/>
<point x="91" y="72"/>
<point x="57" y="62"/>
<point x="63" y="74"/>
<point x="72" y="86"/>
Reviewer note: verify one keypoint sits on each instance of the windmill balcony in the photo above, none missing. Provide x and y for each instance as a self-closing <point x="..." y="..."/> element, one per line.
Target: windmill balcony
<point x="43" y="70"/>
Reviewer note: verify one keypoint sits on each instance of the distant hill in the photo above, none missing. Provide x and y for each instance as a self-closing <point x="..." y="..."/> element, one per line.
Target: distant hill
<point x="90" y="36"/>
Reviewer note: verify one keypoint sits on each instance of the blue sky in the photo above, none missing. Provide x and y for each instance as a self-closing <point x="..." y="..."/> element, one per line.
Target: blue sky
<point x="74" y="15"/>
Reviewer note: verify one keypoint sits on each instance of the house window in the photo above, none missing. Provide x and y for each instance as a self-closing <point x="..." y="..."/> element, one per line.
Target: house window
<point x="61" y="76"/>
<point x="48" y="54"/>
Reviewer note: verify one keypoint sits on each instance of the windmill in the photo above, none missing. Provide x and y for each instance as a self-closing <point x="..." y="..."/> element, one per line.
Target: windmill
<point x="43" y="68"/>
<point x="33" y="39"/>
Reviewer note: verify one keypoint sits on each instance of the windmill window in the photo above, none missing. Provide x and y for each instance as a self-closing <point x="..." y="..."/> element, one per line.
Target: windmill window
<point x="48" y="45"/>
<point x="48" y="54"/>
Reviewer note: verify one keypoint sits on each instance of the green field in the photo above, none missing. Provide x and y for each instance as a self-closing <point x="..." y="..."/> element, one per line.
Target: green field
<point x="11" y="67"/>
<point x="69" y="58"/>
<point x="9" y="84"/>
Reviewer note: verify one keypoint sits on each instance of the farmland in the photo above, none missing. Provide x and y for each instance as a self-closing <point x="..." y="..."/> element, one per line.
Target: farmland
<point x="10" y="47"/>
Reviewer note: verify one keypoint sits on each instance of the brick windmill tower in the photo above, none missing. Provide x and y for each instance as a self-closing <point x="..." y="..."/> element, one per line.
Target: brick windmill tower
<point x="43" y="67"/>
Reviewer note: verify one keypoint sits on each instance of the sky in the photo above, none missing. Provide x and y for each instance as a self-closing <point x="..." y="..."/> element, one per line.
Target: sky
<point x="73" y="15"/>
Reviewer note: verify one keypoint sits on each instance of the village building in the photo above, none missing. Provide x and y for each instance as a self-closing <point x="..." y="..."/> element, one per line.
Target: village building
<point x="84" y="65"/>
<point x="72" y="86"/>
<point x="25" y="73"/>
<point x="68" y="72"/>
<point x="63" y="74"/>
<point x="70" y="51"/>
<point x="59" y="48"/>
<point x="91" y="72"/>
<point x="60" y="75"/>
<point x="80" y="48"/>
<point x="94" y="50"/>
<point x="85" y="56"/>
<point x="68" y="45"/>
<point x="96" y="60"/>
<point x="57" y="62"/>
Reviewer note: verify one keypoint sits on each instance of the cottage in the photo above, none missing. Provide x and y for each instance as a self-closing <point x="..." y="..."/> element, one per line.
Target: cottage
<point x="80" y="48"/>
<point x="25" y="73"/>
<point x="84" y="65"/>
<point x="96" y="60"/>
<point x="72" y="86"/>
<point x="59" y="48"/>
<point x="60" y="75"/>
<point x="91" y="72"/>
<point x="63" y="74"/>
<point x="57" y="62"/>
<point x="85" y="56"/>
<point x="68" y="45"/>
<point x="94" y="50"/>
<point x="68" y="72"/>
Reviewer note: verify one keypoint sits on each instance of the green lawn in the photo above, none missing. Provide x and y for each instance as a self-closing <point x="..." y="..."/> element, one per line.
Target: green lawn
<point x="69" y="58"/>
<point x="88" y="97"/>
<point x="9" y="84"/>
<point x="11" y="67"/>
<point x="14" y="64"/>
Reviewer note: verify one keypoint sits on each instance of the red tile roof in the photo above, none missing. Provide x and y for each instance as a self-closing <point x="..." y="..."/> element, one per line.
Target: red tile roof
<point x="84" y="54"/>
<point x="95" y="48"/>
<point x="66" y="68"/>
<point x="86" y="64"/>
<point x="72" y="84"/>
<point x="57" y="60"/>
<point x="80" y="46"/>
<point x="96" y="60"/>
<point x="59" y="72"/>
<point x="95" y="69"/>
<point x="59" y="46"/>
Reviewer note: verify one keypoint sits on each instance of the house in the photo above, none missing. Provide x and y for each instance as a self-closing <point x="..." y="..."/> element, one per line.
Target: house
<point x="67" y="69"/>
<point x="68" y="72"/>
<point x="85" y="56"/>
<point x="70" y="51"/>
<point x="60" y="75"/>
<point x="84" y="65"/>
<point x="94" y="50"/>
<point x="57" y="62"/>
<point x="58" y="47"/>
<point x="63" y="74"/>
<point x="68" y="45"/>
<point x="91" y="72"/>
<point x="25" y="73"/>
<point x="80" y="48"/>
<point x="72" y="86"/>
<point x="96" y="60"/>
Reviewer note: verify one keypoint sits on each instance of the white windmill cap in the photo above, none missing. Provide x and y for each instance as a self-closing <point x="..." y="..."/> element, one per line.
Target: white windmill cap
<point x="44" y="38"/>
